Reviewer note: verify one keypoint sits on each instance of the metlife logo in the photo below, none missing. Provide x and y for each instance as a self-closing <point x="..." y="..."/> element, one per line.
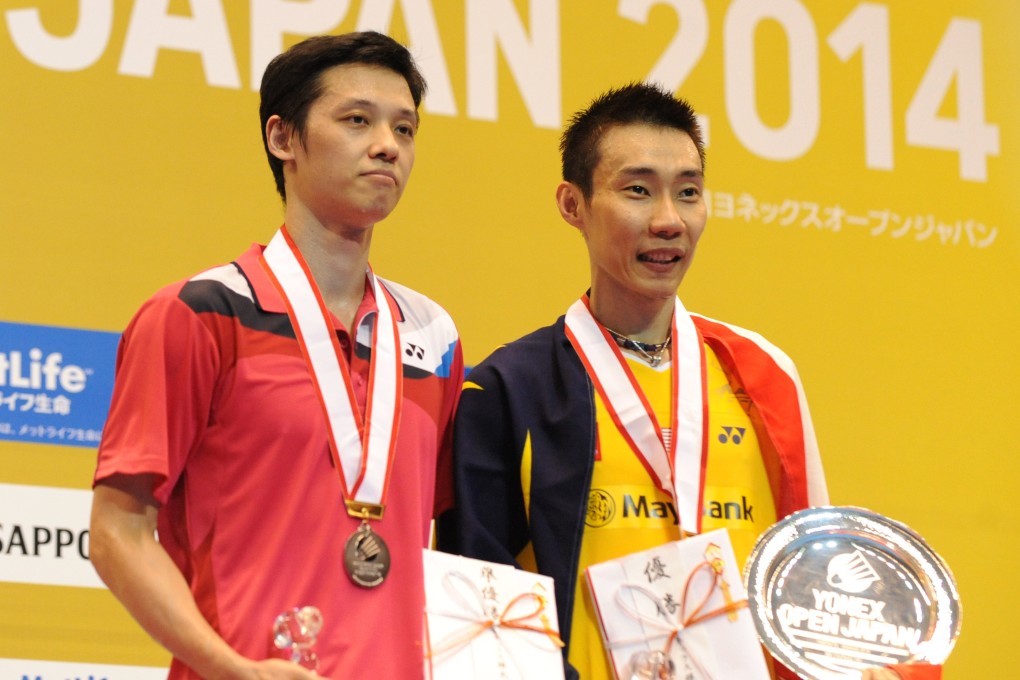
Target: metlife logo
<point x="29" y="669"/>
<point x="55" y="383"/>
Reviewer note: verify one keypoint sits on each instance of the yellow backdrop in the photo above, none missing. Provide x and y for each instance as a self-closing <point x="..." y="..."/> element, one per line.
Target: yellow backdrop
<point x="861" y="163"/>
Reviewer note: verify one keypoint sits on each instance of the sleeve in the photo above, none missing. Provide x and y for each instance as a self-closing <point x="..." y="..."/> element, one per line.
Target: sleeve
<point x="444" y="461"/>
<point x="167" y="364"/>
<point x="817" y="489"/>
<point x="488" y="521"/>
<point x="772" y="381"/>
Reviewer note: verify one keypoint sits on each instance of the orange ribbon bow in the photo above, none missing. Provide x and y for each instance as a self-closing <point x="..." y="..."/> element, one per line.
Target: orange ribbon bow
<point x="516" y="615"/>
<point x="713" y="564"/>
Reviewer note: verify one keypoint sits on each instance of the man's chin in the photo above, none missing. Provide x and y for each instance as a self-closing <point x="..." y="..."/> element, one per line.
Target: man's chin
<point x="372" y="212"/>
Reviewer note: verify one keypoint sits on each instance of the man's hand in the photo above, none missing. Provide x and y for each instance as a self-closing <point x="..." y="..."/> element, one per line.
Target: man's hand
<point x="278" y="669"/>
<point x="880" y="674"/>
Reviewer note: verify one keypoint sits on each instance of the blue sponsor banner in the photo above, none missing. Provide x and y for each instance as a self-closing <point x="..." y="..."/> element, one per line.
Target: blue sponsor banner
<point x="55" y="383"/>
<point x="28" y="669"/>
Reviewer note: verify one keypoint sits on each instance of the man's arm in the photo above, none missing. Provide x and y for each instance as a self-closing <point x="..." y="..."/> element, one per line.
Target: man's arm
<point x="140" y="573"/>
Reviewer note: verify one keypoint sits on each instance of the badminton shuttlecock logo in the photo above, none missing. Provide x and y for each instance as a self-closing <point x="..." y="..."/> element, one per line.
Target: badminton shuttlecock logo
<point x="851" y="572"/>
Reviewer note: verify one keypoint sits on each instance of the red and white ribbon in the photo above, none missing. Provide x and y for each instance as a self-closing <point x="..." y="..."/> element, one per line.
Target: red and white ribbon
<point x="362" y="448"/>
<point x="678" y="471"/>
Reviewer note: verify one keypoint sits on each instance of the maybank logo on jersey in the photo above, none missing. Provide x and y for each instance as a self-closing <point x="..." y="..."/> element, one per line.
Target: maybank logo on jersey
<point x="55" y="383"/>
<point x="640" y="506"/>
<point x="623" y="506"/>
<point x="730" y="509"/>
<point x="627" y="506"/>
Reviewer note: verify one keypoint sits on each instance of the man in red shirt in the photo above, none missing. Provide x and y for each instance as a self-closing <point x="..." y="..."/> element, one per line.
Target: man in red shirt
<point x="283" y="421"/>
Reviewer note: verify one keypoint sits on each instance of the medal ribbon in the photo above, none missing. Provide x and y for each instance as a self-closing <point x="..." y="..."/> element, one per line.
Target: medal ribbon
<point x="361" y="448"/>
<point x="679" y="471"/>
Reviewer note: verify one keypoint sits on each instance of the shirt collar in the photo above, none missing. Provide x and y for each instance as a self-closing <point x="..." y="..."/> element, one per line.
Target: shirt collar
<point x="268" y="298"/>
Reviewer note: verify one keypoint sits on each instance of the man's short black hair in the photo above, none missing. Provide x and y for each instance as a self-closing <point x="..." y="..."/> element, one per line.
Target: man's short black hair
<point x="633" y="104"/>
<point x="292" y="81"/>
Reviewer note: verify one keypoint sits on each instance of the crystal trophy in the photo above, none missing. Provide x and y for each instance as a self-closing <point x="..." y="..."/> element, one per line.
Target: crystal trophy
<point x="295" y="632"/>
<point x="654" y="665"/>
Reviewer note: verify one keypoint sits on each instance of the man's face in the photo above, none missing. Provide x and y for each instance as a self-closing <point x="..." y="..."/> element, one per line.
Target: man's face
<point x="645" y="215"/>
<point x="358" y="149"/>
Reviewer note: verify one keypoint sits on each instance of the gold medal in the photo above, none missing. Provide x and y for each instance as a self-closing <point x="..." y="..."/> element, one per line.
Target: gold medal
<point x="366" y="557"/>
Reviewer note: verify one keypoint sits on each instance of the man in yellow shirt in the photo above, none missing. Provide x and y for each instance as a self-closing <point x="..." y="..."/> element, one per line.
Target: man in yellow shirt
<point x="629" y="422"/>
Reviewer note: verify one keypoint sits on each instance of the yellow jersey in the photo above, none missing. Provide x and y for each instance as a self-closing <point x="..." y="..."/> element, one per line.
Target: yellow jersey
<point x="627" y="513"/>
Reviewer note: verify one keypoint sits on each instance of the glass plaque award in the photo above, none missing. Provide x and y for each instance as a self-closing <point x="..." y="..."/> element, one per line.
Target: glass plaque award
<point x="835" y="590"/>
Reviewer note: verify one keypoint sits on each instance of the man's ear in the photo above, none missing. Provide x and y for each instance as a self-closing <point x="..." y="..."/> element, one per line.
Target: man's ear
<point x="570" y="200"/>
<point x="279" y="138"/>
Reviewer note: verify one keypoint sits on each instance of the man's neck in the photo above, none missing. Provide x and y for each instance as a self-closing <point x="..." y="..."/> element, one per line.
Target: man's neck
<point x="337" y="261"/>
<point x="644" y="320"/>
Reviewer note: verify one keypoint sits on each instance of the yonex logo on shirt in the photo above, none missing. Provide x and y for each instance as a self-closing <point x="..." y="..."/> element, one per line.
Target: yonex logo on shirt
<point x="732" y="434"/>
<point x="413" y="350"/>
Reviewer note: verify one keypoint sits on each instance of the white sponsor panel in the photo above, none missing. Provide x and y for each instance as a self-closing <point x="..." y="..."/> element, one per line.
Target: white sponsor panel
<point x="31" y="669"/>
<point x="44" y="537"/>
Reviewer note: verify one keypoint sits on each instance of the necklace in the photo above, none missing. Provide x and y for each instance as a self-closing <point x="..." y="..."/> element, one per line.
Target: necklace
<point x="652" y="352"/>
